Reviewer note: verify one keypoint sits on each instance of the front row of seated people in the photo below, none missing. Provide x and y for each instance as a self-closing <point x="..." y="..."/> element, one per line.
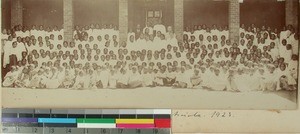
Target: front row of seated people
<point x="178" y="75"/>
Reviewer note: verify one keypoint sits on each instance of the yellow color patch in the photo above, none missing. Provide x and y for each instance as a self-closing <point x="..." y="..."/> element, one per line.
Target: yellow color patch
<point x="135" y="121"/>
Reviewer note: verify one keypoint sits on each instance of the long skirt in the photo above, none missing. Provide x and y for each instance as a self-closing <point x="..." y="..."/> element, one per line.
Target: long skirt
<point x="8" y="82"/>
<point x="135" y="84"/>
<point x="232" y="84"/>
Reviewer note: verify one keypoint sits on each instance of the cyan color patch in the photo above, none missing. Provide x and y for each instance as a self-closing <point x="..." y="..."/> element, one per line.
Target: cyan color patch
<point x="57" y="120"/>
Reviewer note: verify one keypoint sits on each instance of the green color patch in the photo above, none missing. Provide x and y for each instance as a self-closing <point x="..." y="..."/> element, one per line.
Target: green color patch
<point x="96" y="120"/>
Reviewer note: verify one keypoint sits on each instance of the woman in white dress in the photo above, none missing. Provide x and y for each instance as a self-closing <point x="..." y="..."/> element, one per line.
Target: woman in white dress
<point x="94" y="78"/>
<point x="24" y="78"/>
<point x="36" y="80"/>
<point x="270" y="79"/>
<point x="148" y="78"/>
<point x="113" y="79"/>
<point x="135" y="79"/>
<point x="220" y="81"/>
<point x="123" y="79"/>
<point x="55" y="80"/>
<point x="11" y="77"/>
<point x="232" y="81"/>
<point x="285" y="80"/>
<point x="195" y="79"/>
<point x="105" y="77"/>
<point x="79" y="81"/>
<point x="182" y="79"/>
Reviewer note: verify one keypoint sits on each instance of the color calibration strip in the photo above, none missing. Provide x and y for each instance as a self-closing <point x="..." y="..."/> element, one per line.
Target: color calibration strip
<point x="88" y="118"/>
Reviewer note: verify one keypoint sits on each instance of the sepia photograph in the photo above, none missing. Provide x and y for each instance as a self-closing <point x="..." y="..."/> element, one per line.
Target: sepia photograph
<point x="196" y="54"/>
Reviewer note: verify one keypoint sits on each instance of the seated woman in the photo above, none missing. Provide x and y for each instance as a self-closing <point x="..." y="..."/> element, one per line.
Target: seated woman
<point x="97" y="78"/>
<point x="220" y="81"/>
<point x="11" y="77"/>
<point x="47" y="75"/>
<point x="68" y="79"/>
<point x="270" y="79"/>
<point x="113" y="79"/>
<point x="24" y="78"/>
<point x="135" y="79"/>
<point x="104" y="77"/>
<point x="54" y="81"/>
<point x="181" y="80"/>
<point x="122" y="82"/>
<point x="36" y="80"/>
<point x="293" y="67"/>
<point x="93" y="78"/>
<point x="285" y="79"/>
<point x="159" y="77"/>
<point x="170" y="78"/>
<point x="195" y="79"/>
<point x="87" y="78"/>
<point x="258" y="79"/>
<point x="79" y="81"/>
<point x="148" y="78"/>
